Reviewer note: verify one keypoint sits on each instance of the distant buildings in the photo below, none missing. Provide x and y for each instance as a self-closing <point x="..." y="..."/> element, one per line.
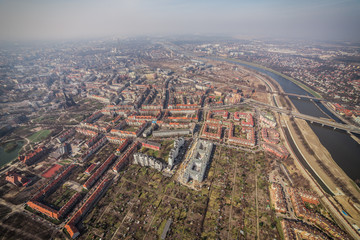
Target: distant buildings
<point x="140" y="126"/>
<point x="270" y="135"/>
<point x="64" y="149"/>
<point x="212" y="131"/>
<point x="100" y="98"/>
<point x="86" y="132"/>
<point x="94" y="148"/>
<point x="92" y="118"/>
<point x="90" y="169"/>
<point x="217" y="120"/>
<point x="247" y="121"/>
<point x="122" y="146"/>
<point x="248" y="141"/>
<point x="293" y="229"/>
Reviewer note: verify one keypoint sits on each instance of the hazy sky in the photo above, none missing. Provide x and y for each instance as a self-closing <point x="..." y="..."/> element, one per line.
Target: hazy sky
<point x="66" y="19"/>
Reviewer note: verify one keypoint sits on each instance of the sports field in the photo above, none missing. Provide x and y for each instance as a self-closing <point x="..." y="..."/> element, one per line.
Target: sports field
<point x="39" y="136"/>
<point x="51" y="171"/>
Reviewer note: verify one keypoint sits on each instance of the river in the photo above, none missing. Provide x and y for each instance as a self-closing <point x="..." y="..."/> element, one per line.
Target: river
<point x="342" y="147"/>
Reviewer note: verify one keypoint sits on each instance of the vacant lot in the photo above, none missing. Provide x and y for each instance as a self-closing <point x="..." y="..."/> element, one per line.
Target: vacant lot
<point x="22" y="226"/>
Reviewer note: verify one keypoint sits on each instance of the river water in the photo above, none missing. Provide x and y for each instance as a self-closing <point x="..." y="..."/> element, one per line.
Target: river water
<point x="342" y="147"/>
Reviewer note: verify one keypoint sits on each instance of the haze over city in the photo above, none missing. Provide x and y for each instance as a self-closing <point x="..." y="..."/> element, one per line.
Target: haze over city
<point x="79" y="19"/>
<point x="179" y="119"/>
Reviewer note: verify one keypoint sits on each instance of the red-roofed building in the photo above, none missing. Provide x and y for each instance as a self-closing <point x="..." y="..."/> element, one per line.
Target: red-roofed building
<point x="151" y="145"/>
<point x="17" y="179"/>
<point x="91" y="168"/>
<point x="33" y="156"/>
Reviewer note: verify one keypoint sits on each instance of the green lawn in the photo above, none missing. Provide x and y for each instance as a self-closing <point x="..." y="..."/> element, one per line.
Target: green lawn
<point x="39" y="136"/>
<point x="163" y="153"/>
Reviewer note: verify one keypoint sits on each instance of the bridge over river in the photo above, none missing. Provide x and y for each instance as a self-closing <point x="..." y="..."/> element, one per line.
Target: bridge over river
<point x="299" y="96"/>
<point x="312" y="119"/>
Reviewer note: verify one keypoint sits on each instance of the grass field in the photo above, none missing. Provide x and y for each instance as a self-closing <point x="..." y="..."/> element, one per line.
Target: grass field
<point x="39" y="136"/>
<point x="163" y="153"/>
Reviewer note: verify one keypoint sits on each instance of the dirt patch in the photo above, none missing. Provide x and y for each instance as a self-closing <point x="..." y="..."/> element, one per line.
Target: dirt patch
<point x="27" y="225"/>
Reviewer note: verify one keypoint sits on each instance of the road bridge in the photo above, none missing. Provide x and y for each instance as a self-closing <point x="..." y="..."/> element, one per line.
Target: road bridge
<point x="299" y="96"/>
<point x="324" y="122"/>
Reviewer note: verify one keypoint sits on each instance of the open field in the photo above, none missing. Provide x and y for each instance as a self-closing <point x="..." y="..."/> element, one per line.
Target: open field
<point x="39" y="136"/>
<point x="4" y="211"/>
<point x="22" y="226"/>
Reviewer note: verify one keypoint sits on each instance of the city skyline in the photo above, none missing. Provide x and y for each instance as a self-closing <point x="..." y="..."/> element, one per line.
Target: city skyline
<point x="63" y="20"/>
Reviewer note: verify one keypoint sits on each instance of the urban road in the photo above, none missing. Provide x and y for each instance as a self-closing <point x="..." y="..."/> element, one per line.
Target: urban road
<point x="324" y="122"/>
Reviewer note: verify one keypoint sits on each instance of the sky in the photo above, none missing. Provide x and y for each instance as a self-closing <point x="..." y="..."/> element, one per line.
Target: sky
<point x="80" y="19"/>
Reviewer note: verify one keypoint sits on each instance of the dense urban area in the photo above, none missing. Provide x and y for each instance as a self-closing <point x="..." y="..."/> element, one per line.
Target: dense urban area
<point x="172" y="139"/>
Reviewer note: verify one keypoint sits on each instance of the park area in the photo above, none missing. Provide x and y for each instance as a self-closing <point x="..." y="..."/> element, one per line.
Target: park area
<point x="39" y="136"/>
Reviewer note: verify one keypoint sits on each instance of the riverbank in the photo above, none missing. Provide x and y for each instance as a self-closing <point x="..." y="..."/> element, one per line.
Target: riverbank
<point x="324" y="166"/>
<point x="300" y="84"/>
